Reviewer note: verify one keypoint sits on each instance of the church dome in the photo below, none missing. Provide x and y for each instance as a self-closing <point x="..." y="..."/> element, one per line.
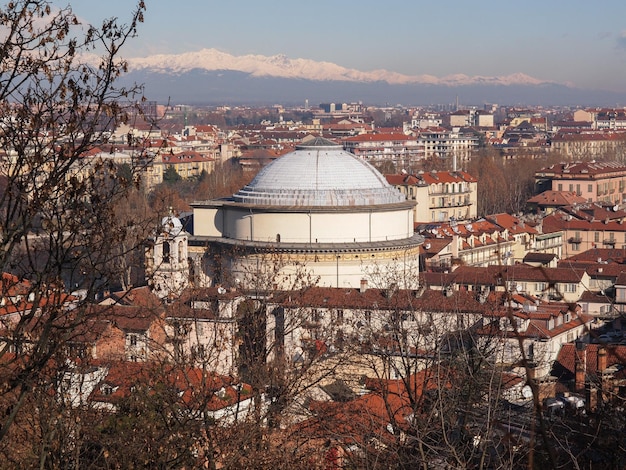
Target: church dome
<point x="171" y="225"/>
<point x="319" y="173"/>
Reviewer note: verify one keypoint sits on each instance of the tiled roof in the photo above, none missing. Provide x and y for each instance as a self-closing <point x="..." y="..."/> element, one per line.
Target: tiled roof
<point x="195" y="387"/>
<point x="378" y="137"/>
<point x="517" y="272"/>
<point x="582" y="168"/>
<point x="431" y="177"/>
<point x="611" y="255"/>
<point x="566" y="359"/>
<point x="561" y="222"/>
<point x="380" y="299"/>
<point x="557" y="198"/>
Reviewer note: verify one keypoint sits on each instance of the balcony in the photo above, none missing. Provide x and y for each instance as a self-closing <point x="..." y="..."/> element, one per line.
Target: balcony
<point x="576" y="239"/>
<point x="449" y="193"/>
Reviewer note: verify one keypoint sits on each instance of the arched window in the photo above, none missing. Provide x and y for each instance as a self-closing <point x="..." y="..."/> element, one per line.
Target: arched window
<point x="180" y="252"/>
<point x="278" y="238"/>
<point x="166" y="252"/>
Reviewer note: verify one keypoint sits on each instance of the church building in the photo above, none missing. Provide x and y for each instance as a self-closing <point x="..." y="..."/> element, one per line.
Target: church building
<point x="316" y="216"/>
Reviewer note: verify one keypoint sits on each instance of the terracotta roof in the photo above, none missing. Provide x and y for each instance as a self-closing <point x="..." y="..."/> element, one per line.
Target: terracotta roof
<point x="556" y="199"/>
<point x="509" y="222"/>
<point x="518" y="272"/>
<point x="431" y="177"/>
<point x="128" y="318"/>
<point x="610" y="255"/>
<point x="138" y="297"/>
<point x="561" y="222"/>
<point x="195" y="387"/>
<point x="380" y="299"/>
<point x="565" y="363"/>
<point x="378" y="137"/>
<point x="577" y="169"/>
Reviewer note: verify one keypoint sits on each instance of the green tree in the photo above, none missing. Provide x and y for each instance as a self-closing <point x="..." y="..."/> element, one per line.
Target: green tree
<point x="170" y="175"/>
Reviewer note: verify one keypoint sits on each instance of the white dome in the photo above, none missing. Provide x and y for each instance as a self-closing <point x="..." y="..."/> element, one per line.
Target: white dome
<point x="171" y="225"/>
<point x="319" y="174"/>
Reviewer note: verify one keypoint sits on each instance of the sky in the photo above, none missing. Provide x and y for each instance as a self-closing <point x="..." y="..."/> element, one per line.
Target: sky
<point x="581" y="43"/>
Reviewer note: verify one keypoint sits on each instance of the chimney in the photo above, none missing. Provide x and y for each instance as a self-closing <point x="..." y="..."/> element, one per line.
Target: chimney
<point x="363" y="285"/>
<point x="531" y="371"/>
<point x="601" y="360"/>
<point x="580" y="356"/>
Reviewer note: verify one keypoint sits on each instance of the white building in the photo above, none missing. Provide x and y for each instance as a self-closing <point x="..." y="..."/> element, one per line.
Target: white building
<point x="316" y="215"/>
<point x="167" y="264"/>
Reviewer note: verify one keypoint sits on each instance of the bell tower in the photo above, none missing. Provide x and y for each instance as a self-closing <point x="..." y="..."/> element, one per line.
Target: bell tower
<point x="168" y="265"/>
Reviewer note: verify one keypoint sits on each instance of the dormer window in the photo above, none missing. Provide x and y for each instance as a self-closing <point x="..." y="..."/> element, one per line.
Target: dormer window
<point x="108" y="389"/>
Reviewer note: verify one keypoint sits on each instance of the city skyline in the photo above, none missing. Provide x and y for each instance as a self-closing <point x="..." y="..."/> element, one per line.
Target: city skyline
<point x="575" y="43"/>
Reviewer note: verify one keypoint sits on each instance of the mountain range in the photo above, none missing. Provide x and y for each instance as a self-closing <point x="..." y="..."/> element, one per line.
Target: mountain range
<point x="210" y="76"/>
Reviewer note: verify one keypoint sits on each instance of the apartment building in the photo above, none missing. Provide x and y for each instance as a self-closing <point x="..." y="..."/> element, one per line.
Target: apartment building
<point x="587" y="226"/>
<point x="471" y="118"/>
<point x="444" y="143"/>
<point x="602" y="118"/>
<point x="440" y="195"/>
<point x="398" y="148"/>
<point x="595" y="181"/>
<point x="579" y="144"/>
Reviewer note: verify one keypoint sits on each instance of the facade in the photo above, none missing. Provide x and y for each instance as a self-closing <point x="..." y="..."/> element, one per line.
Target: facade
<point x="478" y="243"/>
<point x="440" y="196"/>
<point x="579" y="144"/>
<point x="471" y="118"/>
<point x="581" y="234"/>
<point x="443" y="143"/>
<point x="400" y="149"/>
<point x="594" y="181"/>
<point x="167" y="259"/>
<point x="318" y="212"/>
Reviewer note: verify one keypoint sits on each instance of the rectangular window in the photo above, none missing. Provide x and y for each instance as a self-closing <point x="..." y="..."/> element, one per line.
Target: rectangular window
<point x="133" y="340"/>
<point x="590" y="188"/>
<point x="596" y="237"/>
<point x="571" y="187"/>
<point x="570" y="288"/>
<point x="560" y="187"/>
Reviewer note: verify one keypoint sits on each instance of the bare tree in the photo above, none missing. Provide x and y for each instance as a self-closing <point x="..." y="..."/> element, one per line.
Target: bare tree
<point x="58" y="99"/>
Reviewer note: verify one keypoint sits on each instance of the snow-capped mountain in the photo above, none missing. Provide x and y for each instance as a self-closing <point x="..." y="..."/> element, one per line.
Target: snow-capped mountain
<point x="281" y="66"/>
<point x="210" y="76"/>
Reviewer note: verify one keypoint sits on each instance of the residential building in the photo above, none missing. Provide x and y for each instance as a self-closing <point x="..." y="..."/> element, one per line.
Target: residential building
<point x="600" y="227"/>
<point x="548" y="201"/>
<point x="440" y="196"/>
<point x="554" y="284"/>
<point x="400" y="149"/>
<point x="438" y="142"/>
<point x="577" y="144"/>
<point x="471" y="118"/>
<point x="595" y="181"/>
<point x="540" y="329"/>
<point x="480" y="242"/>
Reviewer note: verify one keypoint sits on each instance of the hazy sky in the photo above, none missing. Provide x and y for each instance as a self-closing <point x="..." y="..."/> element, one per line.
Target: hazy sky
<point x="574" y="41"/>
